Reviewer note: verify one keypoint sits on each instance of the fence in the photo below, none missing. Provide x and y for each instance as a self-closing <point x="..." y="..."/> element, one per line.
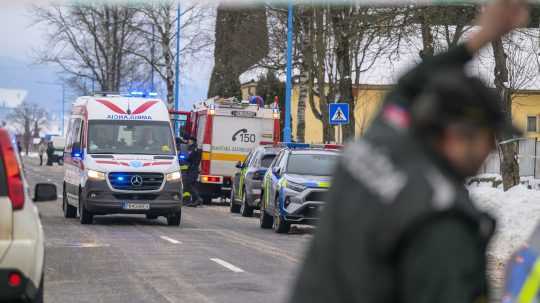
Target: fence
<point x="528" y="155"/>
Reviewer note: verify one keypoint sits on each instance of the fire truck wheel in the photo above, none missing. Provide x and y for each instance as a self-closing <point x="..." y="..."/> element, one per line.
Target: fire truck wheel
<point x="207" y="200"/>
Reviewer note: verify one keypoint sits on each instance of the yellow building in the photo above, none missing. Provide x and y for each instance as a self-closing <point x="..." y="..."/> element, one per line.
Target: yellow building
<point x="525" y="110"/>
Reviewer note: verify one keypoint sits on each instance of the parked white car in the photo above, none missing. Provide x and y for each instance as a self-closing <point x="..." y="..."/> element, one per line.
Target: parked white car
<point x="21" y="233"/>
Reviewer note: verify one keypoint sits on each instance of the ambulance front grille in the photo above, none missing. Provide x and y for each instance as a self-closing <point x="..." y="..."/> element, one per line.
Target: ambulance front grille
<point x="136" y="181"/>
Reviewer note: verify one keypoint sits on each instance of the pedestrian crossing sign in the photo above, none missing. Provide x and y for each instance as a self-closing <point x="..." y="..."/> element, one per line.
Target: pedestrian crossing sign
<point x="338" y="113"/>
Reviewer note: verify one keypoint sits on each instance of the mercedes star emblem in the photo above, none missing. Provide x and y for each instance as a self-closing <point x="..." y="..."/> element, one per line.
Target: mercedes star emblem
<point x="136" y="180"/>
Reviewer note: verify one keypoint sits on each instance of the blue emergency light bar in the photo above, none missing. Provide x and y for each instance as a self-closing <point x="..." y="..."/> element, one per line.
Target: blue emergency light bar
<point x="141" y="94"/>
<point x="291" y="145"/>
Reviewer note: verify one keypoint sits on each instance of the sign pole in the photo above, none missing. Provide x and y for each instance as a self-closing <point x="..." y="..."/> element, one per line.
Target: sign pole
<point x="288" y="84"/>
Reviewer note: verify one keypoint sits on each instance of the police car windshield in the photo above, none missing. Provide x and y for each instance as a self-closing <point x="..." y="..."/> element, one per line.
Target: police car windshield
<point x="130" y="137"/>
<point x="316" y="164"/>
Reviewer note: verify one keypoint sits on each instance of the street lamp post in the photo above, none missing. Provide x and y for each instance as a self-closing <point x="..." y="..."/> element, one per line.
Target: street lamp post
<point x="288" y="84"/>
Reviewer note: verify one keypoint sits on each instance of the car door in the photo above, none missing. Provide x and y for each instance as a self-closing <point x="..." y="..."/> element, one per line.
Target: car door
<point x="274" y="184"/>
<point x="268" y="177"/>
<point x="239" y="176"/>
<point x="73" y="163"/>
<point x="247" y="167"/>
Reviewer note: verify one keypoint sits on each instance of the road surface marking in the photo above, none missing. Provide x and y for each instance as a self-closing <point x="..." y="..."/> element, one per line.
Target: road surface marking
<point x="173" y="241"/>
<point x="227" y="265"/>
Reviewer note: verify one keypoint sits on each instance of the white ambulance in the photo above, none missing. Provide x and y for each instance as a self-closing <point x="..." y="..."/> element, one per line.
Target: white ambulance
<point x="120" y="157"/>
<point x="227" y="130"/>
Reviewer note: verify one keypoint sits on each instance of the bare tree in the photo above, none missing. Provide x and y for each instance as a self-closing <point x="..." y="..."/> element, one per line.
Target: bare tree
<point x="157" y="45"/>
<point x="241" y="42"/>
<point x="514" y="69"/>
<point x="29" y="117"/>
<point x="89" y="41"/>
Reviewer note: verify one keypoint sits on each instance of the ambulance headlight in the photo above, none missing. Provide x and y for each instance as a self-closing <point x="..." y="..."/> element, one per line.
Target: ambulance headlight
<point x="175" y="176"/>
<point x="95" y="175"/>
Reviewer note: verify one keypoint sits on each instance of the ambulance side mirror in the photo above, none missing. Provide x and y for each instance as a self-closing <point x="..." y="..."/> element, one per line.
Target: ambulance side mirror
<point x="238" y="164"/>
<point x="276" y="171"/>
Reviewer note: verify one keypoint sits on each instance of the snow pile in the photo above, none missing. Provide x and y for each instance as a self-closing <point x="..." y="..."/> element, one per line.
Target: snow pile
<point x="517" y="212"/>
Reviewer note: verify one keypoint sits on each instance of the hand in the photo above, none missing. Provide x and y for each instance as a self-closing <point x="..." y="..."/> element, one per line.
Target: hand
<point x="497" y="19"/>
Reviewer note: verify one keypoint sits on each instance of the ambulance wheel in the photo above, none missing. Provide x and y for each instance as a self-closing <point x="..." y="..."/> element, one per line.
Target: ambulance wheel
<point x="85" y="216"/>
<point x="245" y="209"/>
<point x="265" y="219"/>
<point x="69" y="211"/>
<point x="174" y="219"/>
<point x="234" y="208"/>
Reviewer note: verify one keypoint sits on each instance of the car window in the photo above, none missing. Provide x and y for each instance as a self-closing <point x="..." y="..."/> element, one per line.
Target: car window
<point x="266" y="160"/>
<point x="311" y="164"/>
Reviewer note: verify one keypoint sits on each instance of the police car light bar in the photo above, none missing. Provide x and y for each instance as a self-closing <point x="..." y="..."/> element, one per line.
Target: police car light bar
<point x="307" y="145"/>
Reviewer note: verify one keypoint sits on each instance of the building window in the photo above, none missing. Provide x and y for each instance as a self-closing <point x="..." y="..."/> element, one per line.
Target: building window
<point x="531" y="124"/>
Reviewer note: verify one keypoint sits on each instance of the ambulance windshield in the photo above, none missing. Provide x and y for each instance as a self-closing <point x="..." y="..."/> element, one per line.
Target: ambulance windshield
<point x="130" y="137"/>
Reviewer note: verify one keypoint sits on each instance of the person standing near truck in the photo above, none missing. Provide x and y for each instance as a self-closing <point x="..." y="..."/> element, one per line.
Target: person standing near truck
<point x="192" y="174"/>
<point x="42" y="149"/>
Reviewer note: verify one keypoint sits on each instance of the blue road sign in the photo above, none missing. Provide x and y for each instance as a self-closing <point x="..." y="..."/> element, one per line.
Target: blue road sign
<point x="338" y="113"/>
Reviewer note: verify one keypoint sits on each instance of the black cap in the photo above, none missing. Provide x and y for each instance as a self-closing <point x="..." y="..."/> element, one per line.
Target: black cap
<point x="452" y="96"/>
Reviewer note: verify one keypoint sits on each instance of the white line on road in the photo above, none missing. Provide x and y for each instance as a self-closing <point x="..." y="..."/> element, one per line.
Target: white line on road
<point x="173" y="241"/>
<point x="227" y="265"/>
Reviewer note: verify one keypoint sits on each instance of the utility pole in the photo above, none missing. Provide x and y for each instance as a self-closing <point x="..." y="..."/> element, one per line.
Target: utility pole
<point x="288" y="84"/>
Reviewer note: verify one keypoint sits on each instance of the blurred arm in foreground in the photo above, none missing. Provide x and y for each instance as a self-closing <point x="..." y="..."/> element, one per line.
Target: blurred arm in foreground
<point x="399" y="225"/>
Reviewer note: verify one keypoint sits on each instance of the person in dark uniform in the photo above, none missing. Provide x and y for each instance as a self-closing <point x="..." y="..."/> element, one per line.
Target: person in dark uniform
<point x="50" y="153"/>
<point x="399" y="225"/>
<point x="192" y="174"/>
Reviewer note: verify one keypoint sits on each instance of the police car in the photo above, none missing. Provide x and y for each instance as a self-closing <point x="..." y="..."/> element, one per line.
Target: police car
<point x="295" y="185"/>
<point x="247" y="182"/>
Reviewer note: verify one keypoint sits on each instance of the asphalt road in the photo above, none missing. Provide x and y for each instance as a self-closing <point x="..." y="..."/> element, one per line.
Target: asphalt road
<point x="214" y="256"/>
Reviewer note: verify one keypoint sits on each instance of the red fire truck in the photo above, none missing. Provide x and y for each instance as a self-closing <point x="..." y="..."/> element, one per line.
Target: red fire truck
<point x="226" y="130"/>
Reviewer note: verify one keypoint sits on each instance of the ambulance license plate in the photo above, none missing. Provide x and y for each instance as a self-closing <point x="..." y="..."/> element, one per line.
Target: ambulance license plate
<point x="136" y="206"/>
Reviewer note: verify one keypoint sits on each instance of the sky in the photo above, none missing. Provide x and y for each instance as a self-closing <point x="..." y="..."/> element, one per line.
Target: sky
<point x="20" y="40"/>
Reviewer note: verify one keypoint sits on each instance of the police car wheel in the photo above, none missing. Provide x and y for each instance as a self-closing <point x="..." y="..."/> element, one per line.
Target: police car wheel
<point x="281" y="226"/>
<point x="174" y="219"/>
<point x="265" y="219"/>
<point x="234" y="208"/>
<point x="245" y="209"/>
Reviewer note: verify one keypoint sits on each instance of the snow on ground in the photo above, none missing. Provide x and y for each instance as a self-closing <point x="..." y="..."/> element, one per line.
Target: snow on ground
<point x="517" y="212"/>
